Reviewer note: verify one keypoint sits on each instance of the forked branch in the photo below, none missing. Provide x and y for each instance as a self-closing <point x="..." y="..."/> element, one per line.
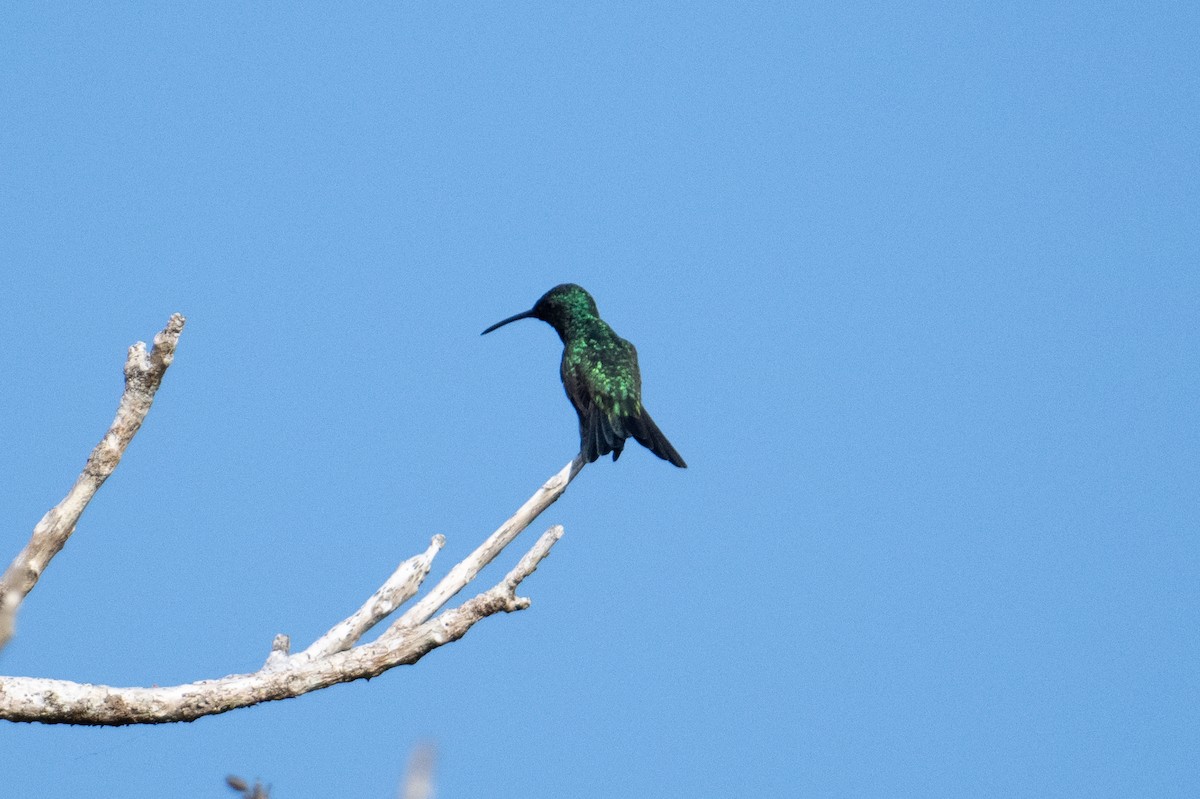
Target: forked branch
<point x="335" y="657"/>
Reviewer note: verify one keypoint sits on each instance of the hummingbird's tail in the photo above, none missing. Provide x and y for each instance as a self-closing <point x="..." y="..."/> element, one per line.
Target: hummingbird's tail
<point x="598" y="436"/>
<point x="643" y="428"/>
<point x="601" y="434"/>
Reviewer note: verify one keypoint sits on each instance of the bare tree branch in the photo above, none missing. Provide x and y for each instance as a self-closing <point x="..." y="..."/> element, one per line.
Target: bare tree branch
<point x="63" y="702"/>
<point x="143" y="375"/>
<point x="465" y="571"/>
<point x="335" y="657"/>
<point x="398" y="589"/>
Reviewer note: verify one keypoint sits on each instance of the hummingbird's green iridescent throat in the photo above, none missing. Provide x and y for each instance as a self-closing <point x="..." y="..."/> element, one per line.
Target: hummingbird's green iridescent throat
<point x="600" y="375"/>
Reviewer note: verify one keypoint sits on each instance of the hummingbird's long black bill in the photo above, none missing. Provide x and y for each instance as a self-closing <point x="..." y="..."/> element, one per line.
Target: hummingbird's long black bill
<point x="523" y="315"/>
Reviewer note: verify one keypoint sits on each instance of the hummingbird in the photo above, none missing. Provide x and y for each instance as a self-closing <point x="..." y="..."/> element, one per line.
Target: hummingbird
<point x="600" y="374"/>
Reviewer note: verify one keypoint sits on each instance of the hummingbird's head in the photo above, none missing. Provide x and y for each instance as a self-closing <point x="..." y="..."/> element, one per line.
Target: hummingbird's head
<point x="564" y="302"/>
<point x="558" y="307"/>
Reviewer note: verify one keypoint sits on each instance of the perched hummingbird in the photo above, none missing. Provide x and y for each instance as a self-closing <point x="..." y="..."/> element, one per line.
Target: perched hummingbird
<point x="600" y="374"/>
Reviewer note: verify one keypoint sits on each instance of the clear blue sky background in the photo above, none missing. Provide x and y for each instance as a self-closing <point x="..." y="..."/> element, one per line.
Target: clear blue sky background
<point x="915" y="291"/>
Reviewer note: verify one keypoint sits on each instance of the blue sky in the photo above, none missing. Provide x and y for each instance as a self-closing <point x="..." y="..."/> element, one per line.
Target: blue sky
<point x="915" y="293"/>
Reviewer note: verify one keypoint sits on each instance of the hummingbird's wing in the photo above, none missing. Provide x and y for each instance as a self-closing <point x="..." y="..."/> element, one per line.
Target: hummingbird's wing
<point x="600" y="375"/>
<point x="609" y="371"/>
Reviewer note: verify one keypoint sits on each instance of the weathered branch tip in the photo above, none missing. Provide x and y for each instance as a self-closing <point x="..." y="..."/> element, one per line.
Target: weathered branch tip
<point x="143" y="375"/>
